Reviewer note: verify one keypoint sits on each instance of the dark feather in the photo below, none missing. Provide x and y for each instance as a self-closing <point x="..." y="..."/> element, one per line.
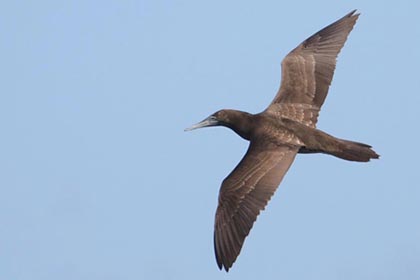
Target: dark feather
<point x="307" y="70"/>
<point x="244" y="193"/>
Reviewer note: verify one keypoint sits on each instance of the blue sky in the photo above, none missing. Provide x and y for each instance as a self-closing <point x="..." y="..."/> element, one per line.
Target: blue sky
<point x="99" y="180"/>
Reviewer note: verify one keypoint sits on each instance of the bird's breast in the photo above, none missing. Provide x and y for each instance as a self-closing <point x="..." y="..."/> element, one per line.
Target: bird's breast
<point x="276" y="130"/>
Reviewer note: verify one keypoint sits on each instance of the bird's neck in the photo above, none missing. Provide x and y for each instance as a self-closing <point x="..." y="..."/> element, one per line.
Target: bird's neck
<point x="240" y="122"/>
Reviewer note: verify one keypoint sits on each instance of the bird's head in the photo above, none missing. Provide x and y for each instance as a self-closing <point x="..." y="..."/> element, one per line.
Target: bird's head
<point x="219" y="118"/>
<point x="238" y="121"/>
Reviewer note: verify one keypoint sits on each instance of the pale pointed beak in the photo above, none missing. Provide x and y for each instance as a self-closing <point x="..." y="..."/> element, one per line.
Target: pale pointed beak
<point x="210" y="121"/>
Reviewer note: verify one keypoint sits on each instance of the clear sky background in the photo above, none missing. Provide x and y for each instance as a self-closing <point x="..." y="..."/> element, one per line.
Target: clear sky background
<point x="99" y="180"/>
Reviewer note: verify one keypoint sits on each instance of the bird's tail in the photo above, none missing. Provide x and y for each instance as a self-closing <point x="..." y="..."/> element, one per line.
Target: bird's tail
<point x="353" y="151"/>
<point x="317" y="141"/>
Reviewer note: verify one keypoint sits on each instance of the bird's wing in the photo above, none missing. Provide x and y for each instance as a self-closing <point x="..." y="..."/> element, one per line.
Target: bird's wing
<point x="307" y="70"/>
<point x="244" y="193"/>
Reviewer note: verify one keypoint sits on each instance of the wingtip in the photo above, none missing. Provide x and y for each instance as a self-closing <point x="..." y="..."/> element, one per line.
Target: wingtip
<point x="353" y="13"/>
<point x="221" y="266"/>
<point x="350" y="18"/>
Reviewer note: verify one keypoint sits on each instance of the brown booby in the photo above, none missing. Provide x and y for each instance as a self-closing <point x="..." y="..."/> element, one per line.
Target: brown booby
<point x="276" y="135"/>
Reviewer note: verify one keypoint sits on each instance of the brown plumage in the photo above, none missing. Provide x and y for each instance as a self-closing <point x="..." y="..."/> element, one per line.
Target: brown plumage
<point x="276" y="135"/>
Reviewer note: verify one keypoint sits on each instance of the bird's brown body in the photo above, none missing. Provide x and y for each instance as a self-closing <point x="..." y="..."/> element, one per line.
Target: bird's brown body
<point x="286" y="131"/>
<point x="276" y="135"/>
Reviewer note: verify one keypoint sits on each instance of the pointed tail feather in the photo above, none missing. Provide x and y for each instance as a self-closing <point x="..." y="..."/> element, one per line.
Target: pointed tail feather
<point x="354" y="151"/>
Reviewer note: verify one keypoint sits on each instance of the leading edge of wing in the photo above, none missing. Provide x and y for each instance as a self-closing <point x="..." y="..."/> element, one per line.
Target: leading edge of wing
<point x="307" y="71"/>
<point x="244" y="194"/>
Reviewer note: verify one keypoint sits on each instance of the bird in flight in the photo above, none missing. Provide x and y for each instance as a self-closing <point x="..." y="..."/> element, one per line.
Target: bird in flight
<point x="286" y="127"/>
